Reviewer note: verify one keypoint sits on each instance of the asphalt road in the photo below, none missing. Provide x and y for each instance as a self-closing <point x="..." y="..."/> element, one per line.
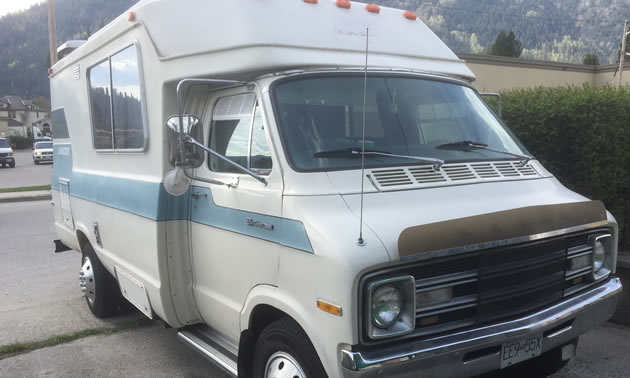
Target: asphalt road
<point x="39" y="298"/>
<point x="25" y="172"/>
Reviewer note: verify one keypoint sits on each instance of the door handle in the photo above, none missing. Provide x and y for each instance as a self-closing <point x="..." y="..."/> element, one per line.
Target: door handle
<point x="197" y="195"/>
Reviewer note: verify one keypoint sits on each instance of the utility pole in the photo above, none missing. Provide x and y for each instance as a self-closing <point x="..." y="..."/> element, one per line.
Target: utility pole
<point x="52" y="32"/>
<point x="622" y="55"/>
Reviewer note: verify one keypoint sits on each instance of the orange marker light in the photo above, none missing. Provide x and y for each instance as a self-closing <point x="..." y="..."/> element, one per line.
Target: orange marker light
<point x="329" y="307"/>
<point x="410" y="15"/>
<point x="373" y="8"/>
<point x="50" y="71"/>
<point x="344" y="4"/>
<point x="311" y="1"/>
<point x="132" y="16"/>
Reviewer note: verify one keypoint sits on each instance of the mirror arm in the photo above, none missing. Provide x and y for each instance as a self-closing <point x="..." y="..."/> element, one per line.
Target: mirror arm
<point x="189" y="139"/>
<point x="209" y="181"/>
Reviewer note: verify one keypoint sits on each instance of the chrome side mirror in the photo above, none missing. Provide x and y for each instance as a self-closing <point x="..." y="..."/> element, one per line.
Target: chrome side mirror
<point x="192" y="126"/>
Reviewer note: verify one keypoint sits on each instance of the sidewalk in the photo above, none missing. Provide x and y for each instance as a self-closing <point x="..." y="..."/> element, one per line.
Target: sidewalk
<point x="36" y="195"/>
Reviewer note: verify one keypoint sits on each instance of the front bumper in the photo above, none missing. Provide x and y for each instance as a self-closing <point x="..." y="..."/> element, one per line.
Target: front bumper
<point x="43" y="157"/>
<point x="477" y="351"/>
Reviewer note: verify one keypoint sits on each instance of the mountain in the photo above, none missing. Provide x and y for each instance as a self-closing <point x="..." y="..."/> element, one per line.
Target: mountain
<point x="24" y="51"/>
<point x="556" y="30"/>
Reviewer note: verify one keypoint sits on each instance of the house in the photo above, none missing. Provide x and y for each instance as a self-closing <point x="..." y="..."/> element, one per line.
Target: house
<point x="20" y="117"/>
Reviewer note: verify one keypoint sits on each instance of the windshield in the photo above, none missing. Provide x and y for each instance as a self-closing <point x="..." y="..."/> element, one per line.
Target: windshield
<point x="320" y="118"/>
<point x="43" y="145"/>
<point x="4" y="143"/>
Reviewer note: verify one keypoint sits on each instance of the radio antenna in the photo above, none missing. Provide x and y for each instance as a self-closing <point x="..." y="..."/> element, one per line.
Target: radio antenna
<point x="360" y="241"/>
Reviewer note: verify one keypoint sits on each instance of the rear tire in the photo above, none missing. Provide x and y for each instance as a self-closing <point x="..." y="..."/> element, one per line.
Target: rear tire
<point x="284" y="350"/>
<point x="100" y="288"/>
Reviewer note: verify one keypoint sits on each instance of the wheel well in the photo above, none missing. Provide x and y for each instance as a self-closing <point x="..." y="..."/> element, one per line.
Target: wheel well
<point x="83" y="240"/>
<point x="261" y="317"/>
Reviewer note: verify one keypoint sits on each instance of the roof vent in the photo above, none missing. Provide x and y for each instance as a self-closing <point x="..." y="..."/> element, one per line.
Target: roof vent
<point x="68" y="47"/>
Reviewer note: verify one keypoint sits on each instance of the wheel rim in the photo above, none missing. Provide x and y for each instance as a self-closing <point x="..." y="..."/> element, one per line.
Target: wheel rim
<point x="282" y="365"/>
<point x="86" y="280"/>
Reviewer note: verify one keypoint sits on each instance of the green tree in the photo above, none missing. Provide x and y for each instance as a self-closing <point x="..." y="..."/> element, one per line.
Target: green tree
<point x="506" y="44"/>
<point x="591" y="59"/>
<point x="42" y="103"/>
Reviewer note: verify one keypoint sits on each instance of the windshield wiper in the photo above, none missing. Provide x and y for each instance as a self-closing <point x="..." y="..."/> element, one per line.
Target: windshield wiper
<point x="437" y="163"/>
<point x="467" y="145"/>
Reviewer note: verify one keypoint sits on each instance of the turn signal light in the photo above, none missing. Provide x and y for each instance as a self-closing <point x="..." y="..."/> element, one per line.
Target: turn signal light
<point x="329" y="307"/>
<point x="132" y="16"/>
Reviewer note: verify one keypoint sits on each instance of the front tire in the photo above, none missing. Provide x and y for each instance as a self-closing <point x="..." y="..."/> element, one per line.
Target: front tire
<point x="36" y="162"/>
<point x="284" y="350"/>
<point x="100" y="288"/>
<point x="12" y="164"/>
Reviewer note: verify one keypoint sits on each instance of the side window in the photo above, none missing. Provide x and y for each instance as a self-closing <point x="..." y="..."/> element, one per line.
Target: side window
<point x="237" y="132"/>
<point x="100" y="104"/>
<point x="260" y="156"/>
<point x="115" y="91"/>
<point x="127" y="110"/>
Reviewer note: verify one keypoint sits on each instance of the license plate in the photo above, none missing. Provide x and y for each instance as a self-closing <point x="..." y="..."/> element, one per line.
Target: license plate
<point x="520" y="350"/>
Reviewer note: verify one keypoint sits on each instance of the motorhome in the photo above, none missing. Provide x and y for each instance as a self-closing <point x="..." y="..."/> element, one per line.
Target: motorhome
<point x="314" y="188"/>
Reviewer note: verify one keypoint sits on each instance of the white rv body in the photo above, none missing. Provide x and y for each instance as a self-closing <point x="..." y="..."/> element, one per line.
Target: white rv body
<point x="230" y="258"/>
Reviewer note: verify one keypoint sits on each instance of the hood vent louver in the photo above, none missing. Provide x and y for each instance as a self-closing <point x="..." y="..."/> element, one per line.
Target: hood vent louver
<point x="451" y="174"/>
<point x="392" y="177"/>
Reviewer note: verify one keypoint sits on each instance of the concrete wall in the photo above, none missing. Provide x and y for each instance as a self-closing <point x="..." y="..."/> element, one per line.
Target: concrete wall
<point x="496" y="73"/>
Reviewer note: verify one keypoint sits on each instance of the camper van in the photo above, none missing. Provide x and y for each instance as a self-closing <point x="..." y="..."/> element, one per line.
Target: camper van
<point x="314" y="188"/>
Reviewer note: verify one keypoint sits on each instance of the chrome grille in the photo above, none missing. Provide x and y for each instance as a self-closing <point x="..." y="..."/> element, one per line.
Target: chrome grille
<point x="496" y="284"/>
<point x="4" y="154"/>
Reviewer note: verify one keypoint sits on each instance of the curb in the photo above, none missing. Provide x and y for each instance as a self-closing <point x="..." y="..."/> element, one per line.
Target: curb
<point x="25" y="198"/>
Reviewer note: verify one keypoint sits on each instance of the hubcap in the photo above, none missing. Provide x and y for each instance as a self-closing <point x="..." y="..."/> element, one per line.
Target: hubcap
<point x="86" y="280"/>
<point x="282" y="365"/>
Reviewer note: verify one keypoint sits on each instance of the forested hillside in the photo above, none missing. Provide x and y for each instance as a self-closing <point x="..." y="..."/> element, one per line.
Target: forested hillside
<point x="24" y="52"/>
<point x="557" y="30"/>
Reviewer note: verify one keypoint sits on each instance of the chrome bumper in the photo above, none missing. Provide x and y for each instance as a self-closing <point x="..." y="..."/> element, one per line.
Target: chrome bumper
<point x="477" y="351"/>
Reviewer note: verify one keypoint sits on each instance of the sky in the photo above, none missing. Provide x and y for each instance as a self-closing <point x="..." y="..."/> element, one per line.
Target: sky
<point x="8" y="6"/>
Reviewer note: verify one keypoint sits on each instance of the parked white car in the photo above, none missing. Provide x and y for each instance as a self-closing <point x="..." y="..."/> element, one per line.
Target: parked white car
<point x="42" y="152"/>
<point x="6" y="153"/>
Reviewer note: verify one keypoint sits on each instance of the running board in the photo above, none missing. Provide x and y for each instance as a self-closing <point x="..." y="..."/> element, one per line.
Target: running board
<point x="212" y="346"/>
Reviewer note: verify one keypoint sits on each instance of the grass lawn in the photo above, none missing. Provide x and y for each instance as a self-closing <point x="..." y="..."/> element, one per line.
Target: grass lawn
<point x="25" y="188"/>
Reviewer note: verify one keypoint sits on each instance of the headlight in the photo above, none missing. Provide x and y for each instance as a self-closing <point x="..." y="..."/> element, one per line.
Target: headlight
<point x="602" y="249"/>
<point x="386" y="305"/>
<point x="10" y="154"/>
<point x="391" y="307"/>
<point x="38" y="153"/>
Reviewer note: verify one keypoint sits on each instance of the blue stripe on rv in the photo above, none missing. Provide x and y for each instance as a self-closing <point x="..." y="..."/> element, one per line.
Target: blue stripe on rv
<point x="150" y="200"/>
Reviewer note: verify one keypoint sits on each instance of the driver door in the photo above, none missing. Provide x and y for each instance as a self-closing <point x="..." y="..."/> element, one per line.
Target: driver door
<point x="234" y="229"/>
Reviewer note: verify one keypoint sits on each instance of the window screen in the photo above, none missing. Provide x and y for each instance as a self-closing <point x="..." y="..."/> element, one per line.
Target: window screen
<point x="237" y="132"/>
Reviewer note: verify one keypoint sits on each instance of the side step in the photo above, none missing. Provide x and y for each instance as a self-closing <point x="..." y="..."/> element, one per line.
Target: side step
<point x="211" y="345"/>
